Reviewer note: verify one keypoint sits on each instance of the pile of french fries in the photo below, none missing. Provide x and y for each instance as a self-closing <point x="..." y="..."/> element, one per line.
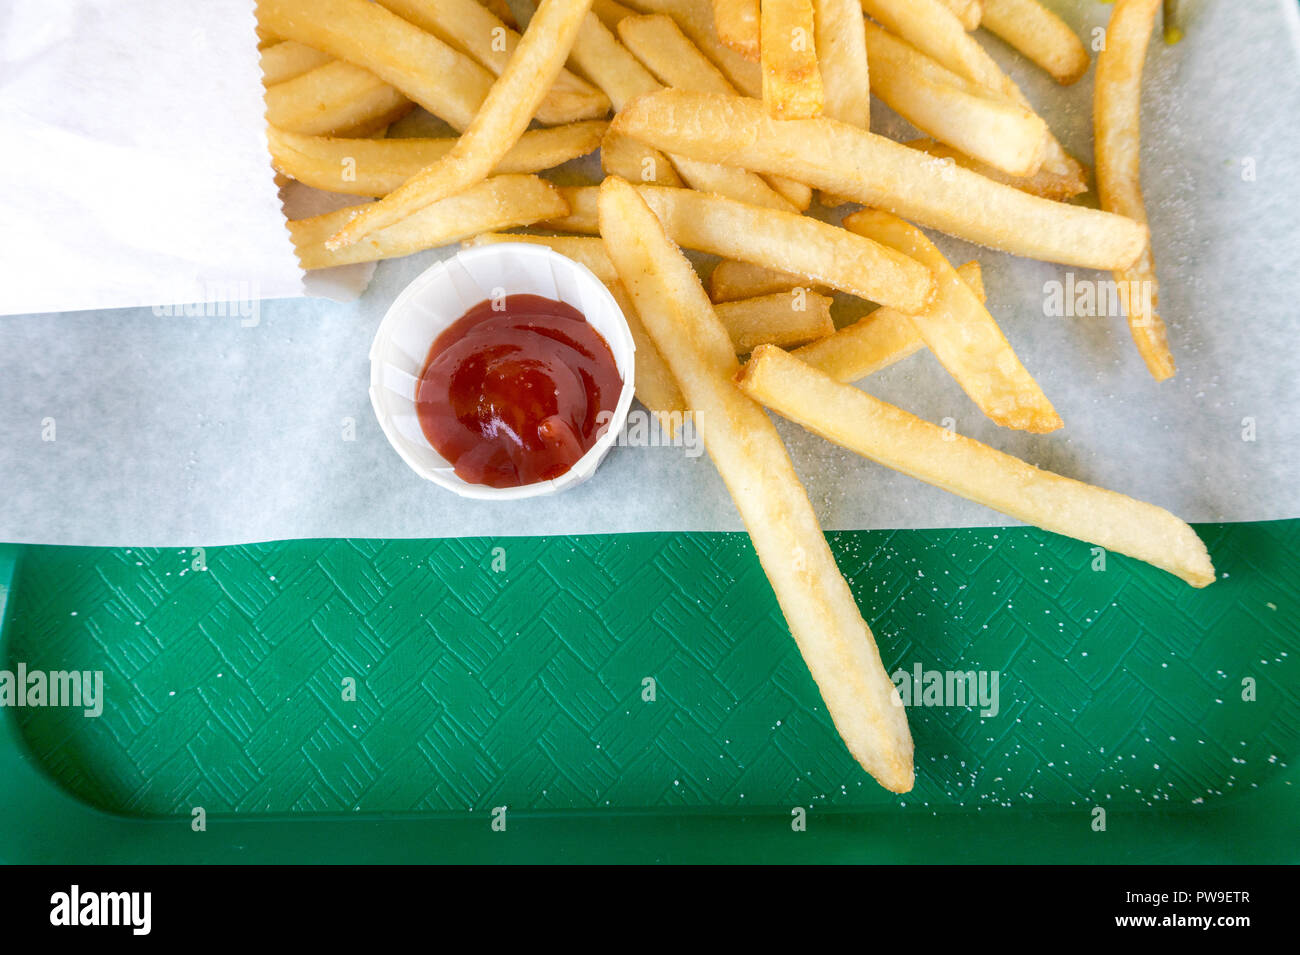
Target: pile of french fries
<point x="728" y="118"/>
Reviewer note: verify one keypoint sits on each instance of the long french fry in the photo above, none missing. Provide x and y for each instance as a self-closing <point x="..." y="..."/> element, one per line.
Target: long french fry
<point x="1039" y="34"/>
<point x="505" y="114"/>
<point x="822" y="254"/>
<point x="334" y="100"/>
<point x="878" y="172"/>
<point x="1001" y="133"/>
<point x="485" y="38"/>
<point x="375" y="167"/>
<point x="819" y="608"/>
<point x="441" y="79"/>
<point x="962" y="334"/>
<point x="502" y="202"/>
<point x="931" y="27"/>
<point x="891" y="436"/>
<point x="792" y="79"/>
<point x="842" y="56"/>
<point x="287" y="59"/>
<point x="1117" y="114"/>
<point x="1046" y="183"/>
<point x="736" y="22"/>
<point x="875" y="341"/>
<point x="790" y="242"/>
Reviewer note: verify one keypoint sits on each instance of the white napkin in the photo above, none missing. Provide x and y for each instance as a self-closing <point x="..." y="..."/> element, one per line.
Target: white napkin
<point x="133" y="165"/>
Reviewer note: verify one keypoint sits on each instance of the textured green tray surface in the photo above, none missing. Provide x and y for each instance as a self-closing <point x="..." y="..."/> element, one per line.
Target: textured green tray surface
<point x="479" y="687"/>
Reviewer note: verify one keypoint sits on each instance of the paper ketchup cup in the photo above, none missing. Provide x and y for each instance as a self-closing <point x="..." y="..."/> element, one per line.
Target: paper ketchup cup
<point x="442" y="294"/>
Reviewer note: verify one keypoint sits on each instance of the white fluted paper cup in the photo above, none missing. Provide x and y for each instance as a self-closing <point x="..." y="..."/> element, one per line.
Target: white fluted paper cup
<point x="442" y="294"/>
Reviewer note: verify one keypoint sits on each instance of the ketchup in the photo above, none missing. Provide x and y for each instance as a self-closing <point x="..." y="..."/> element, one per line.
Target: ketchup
<point x="513" y="395"/>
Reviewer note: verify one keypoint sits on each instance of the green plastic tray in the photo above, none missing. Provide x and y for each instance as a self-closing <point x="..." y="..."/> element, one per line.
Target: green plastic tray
<point x="480" y="687"/>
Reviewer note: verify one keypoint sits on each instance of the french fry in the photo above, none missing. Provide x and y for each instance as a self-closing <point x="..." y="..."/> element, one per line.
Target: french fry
<point x="1045" y="183"/>
<point x="819" y="608"/>
<point x="657" y="41"/>
<point x="826" y="254"/>
<point x="798" y="194"/>
<point x="792" y="79"/>
<point x="931" y="27"/>
<point x="485" y="38"/>
<point x="502" y="202"/>
<point x="334" y="100"/>
<point x="1117" y="114"/>
<point x="695" y="17"/>
<point x="822" y="254"/>
<point x="588" y="251"/>
<point x="736" y="22"/>
<point x="1039" y="34"/>
<point x="962" y="334"/>
<point x="287" y="59"/>
<point x="969" y="12"/>
<point x="731" y="280"/>
<point x="662" y="48"/>
<point x="731" y="182"/>
<point x="971" y="273"/>
<point x="441" y="79"/>
<point x="891" y="436"/>
<point x="842" y="57"/>
<point x="878" y="172"/>
<point x="506" y="112"/>
<point x="637" y="162"/>
<point x="610" y="12"/>
<point x="600" y="56"/>
<point x="1008" y="137"/>
<point x="786" y="319"/>
<point x="655" y="387"/>
<point x="375" y="167"/>
<point x="875" y="341"/>
<point x="501" y="10"/>
<point x="582" y="216"/>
